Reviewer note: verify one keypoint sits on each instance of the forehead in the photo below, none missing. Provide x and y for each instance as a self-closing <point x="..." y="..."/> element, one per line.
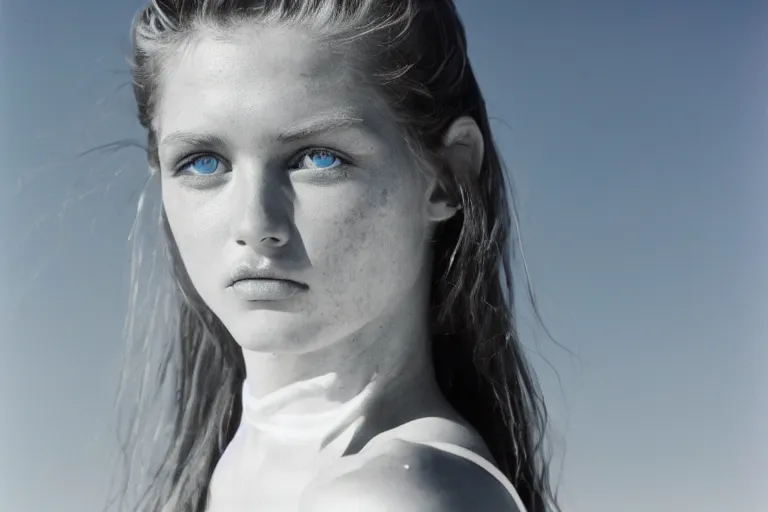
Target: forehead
<point x="273" y="75"/>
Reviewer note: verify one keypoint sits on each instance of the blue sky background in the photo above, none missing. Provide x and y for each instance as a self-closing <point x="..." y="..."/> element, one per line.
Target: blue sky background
<point x="636" y="133"/>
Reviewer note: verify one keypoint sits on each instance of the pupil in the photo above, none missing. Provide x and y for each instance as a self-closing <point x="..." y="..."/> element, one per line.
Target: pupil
<point x="207" y="163"/>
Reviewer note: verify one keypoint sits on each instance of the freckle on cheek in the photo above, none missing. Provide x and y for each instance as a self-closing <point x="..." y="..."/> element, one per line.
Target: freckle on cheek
<point x="384" y="198"/>
<point x="355" y="216"/>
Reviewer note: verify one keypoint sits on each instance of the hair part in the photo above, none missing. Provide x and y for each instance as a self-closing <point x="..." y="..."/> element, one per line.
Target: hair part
<point x="415" y="53"/>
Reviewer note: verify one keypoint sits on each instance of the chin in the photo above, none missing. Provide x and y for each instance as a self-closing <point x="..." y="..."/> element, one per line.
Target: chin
<point x="275" y="332"/>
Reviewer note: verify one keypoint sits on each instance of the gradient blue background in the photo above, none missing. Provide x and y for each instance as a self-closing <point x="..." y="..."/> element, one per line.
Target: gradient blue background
<point x="636" y="134"/>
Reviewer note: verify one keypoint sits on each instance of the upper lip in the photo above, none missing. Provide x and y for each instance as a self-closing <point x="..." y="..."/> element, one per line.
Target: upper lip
<point x="246" y="271"/>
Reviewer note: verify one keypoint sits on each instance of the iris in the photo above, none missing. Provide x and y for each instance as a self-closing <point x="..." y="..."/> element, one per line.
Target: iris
<point x="204" y="164"/>
<point x="322" y="159"/>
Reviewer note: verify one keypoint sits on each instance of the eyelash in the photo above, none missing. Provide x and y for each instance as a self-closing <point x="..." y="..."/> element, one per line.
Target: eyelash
<point x="293" y="166"/>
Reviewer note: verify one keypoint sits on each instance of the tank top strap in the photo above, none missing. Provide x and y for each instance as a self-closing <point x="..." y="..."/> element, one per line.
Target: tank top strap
<point x="483" y="463"/>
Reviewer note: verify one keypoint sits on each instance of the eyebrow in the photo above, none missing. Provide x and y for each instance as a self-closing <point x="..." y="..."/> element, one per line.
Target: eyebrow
<point x="319" y="123"/>
<point x="323" y="122"/>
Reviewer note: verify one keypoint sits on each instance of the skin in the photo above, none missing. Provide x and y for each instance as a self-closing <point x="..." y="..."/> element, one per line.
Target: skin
<point x="356" y="235"/>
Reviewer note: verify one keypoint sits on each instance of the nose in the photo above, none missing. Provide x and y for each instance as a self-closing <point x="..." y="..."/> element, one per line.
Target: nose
<point x="263" y="219"/>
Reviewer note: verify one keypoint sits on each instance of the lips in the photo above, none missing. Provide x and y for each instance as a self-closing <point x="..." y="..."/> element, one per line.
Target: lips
<point x="262" y="270"/>
<point x="266" y="289"/>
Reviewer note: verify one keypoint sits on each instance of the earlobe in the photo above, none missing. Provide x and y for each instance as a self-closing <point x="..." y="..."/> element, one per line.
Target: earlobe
<point x="440" y="211"/>
<point x="441" y="199"/>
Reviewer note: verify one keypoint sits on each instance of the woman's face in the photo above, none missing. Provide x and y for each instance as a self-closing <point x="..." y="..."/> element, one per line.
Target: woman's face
<point x="272" y="156"/>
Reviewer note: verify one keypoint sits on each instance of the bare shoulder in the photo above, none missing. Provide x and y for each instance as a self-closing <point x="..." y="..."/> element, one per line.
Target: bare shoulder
<point x="410" y="477"/>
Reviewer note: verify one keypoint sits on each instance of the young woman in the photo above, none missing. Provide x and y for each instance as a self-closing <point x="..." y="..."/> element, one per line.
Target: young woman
<point x="337" y="227"/>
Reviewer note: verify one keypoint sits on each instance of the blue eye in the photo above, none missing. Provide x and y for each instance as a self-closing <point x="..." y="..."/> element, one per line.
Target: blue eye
<point x="321" y="159"/>
<point x="205" y="164"/>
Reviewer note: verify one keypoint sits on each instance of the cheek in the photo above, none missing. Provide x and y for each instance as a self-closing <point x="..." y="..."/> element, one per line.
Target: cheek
<point x="198" y="228"/>
<point x="366" y="248"/>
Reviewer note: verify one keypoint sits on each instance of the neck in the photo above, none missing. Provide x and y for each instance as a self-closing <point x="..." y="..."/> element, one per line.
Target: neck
<point x="371" y="380"/>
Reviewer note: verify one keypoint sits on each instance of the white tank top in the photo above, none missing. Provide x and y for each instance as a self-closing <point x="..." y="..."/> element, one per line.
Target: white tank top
<point x="265" y="415"/>
<point x="483" y="463"/>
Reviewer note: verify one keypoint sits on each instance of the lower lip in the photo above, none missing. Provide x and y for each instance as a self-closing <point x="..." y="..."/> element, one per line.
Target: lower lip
<point x="266" y="289"/>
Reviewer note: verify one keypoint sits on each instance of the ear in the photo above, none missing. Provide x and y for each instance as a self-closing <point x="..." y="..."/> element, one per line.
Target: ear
<point x="461" y="155"/>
